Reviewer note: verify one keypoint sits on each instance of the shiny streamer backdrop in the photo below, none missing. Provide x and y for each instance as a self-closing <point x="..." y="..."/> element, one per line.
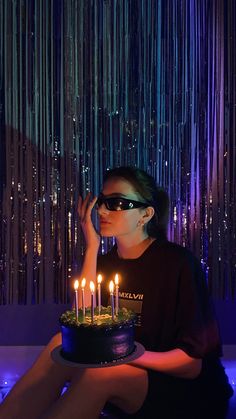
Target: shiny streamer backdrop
<point x="87" y="85"/>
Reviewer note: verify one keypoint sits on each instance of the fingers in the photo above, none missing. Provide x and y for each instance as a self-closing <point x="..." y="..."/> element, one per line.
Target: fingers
<point x="85" y="206"/>
<point x="82" y="205"/>
<point x="90" y="206"/>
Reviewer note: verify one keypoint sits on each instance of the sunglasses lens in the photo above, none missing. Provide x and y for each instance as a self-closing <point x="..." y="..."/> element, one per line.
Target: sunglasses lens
<point x="113" y="204"/>
<point x="99" y="202"/>
<point x="118" y="204"/>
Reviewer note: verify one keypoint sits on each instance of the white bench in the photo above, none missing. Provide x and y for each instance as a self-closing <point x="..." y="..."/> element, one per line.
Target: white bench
<point x="15" y="360"/>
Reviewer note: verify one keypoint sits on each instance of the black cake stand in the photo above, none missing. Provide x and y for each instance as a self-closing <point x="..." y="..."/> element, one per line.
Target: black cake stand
<point x="57" y="357"/>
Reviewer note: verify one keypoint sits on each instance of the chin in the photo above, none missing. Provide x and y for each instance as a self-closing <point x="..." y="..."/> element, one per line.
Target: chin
<point x="105" y="231"/>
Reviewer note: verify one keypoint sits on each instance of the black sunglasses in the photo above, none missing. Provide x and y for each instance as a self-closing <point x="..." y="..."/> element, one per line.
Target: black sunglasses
<point x="119" y="204"/>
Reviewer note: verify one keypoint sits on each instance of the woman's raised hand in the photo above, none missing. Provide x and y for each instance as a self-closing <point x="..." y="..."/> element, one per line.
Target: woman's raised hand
<point x="85" y="207"/>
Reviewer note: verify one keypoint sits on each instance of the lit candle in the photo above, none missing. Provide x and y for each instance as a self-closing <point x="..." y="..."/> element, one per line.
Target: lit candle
<point x="111" y="286"/>
<point x="92" y="287"/>
<point x="82" y="287"/>
<point x="117" y="293"/>
<point x="76" y="286"/>
<point x="99" y="279"/>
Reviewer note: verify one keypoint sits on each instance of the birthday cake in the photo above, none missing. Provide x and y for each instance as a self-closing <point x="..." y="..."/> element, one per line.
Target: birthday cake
<point x="101" y="340"/>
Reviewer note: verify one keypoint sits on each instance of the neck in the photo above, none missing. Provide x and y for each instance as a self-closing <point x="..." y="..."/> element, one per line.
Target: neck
<point x="133" y="249"/>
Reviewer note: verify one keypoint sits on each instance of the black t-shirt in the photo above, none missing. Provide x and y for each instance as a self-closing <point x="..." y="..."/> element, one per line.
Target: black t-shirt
<point x="166" y="287"/>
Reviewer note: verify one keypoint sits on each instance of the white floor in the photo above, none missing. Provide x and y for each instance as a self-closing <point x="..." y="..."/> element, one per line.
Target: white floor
<point x="14" y="361"/>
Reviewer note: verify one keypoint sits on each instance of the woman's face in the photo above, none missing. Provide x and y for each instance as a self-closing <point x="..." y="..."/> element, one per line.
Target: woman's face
<point x="119" y="223"/>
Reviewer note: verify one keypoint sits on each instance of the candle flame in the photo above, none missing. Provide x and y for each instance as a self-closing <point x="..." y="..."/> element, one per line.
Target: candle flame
<point x="83" y="282"/>
<point x="76" y="284"/>
<point x="99" y="279"/>
<point x="111" y="286"/>
<point x="92" y="287"/>
<point x="116" y="279"/>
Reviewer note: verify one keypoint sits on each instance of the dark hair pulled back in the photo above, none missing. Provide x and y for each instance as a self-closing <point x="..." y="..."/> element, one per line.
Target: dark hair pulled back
<point x="145" y="185"/>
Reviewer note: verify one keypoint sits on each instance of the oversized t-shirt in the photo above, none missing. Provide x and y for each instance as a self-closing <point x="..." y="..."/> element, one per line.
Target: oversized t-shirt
<point x="166" y="288"/>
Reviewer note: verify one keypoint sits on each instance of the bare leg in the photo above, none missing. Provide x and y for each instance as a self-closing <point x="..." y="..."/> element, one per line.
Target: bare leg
<point x="124" y="385"/>
<point x="37" y="394"/>
<point x="38" y="388"/>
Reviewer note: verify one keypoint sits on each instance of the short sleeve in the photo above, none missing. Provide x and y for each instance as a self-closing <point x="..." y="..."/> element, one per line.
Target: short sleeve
<point x="196" y="323"/>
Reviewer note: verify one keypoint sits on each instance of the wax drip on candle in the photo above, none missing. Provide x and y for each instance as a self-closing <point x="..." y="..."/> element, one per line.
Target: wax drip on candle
<point x="76" y="286"/>
<point x="117" y="293"/>
<point x="83" y="283"/>
<point x="99" y="280"/>
<point x="111" y="287"/>
<point x="92" y="288"/>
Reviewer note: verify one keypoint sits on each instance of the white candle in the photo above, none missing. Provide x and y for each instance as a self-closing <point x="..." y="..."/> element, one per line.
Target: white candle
<point x="83" y="303"/>
<point x="76" y="286"/>
<point x="99" y="279"/>
<point x="117" y="293"/>
<point x="92" y="287"/>
<point x="111" y="286"/>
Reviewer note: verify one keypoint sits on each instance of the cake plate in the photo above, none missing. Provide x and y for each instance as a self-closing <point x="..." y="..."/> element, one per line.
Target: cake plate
<point x="57" y="357"/>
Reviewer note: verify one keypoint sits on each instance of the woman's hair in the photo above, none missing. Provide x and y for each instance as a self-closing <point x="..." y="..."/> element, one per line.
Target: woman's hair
<point x="150" y="192"/>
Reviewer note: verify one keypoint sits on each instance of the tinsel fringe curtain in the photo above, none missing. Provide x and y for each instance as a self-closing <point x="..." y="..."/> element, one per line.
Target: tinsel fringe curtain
<point x="87" y="85"/>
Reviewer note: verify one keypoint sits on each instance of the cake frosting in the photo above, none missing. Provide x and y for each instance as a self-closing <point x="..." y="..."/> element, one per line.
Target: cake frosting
<point x="99" y="341"/>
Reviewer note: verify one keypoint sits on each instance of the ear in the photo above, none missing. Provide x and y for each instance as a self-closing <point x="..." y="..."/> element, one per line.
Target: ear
<point x="148" y="214"/>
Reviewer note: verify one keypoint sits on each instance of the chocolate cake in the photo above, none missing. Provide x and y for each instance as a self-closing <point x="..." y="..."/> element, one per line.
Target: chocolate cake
<point x="99" y="341"/>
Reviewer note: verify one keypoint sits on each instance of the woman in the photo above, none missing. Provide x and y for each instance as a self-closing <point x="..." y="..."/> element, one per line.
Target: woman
<point x="180" y="374"/>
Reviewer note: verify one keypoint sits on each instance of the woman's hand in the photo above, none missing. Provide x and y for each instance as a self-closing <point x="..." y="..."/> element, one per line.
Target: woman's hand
<point x="85" y="207"/>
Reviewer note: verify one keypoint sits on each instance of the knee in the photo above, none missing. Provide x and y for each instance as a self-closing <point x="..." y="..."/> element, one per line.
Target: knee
<point x="95" y="379"/>
<point x="54" y="341"/>
<point x="44" y="361"/>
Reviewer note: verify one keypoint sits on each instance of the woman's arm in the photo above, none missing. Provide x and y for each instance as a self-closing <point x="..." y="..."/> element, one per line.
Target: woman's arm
<point x="175" y="362"/>
<point x="92" y="240"/>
